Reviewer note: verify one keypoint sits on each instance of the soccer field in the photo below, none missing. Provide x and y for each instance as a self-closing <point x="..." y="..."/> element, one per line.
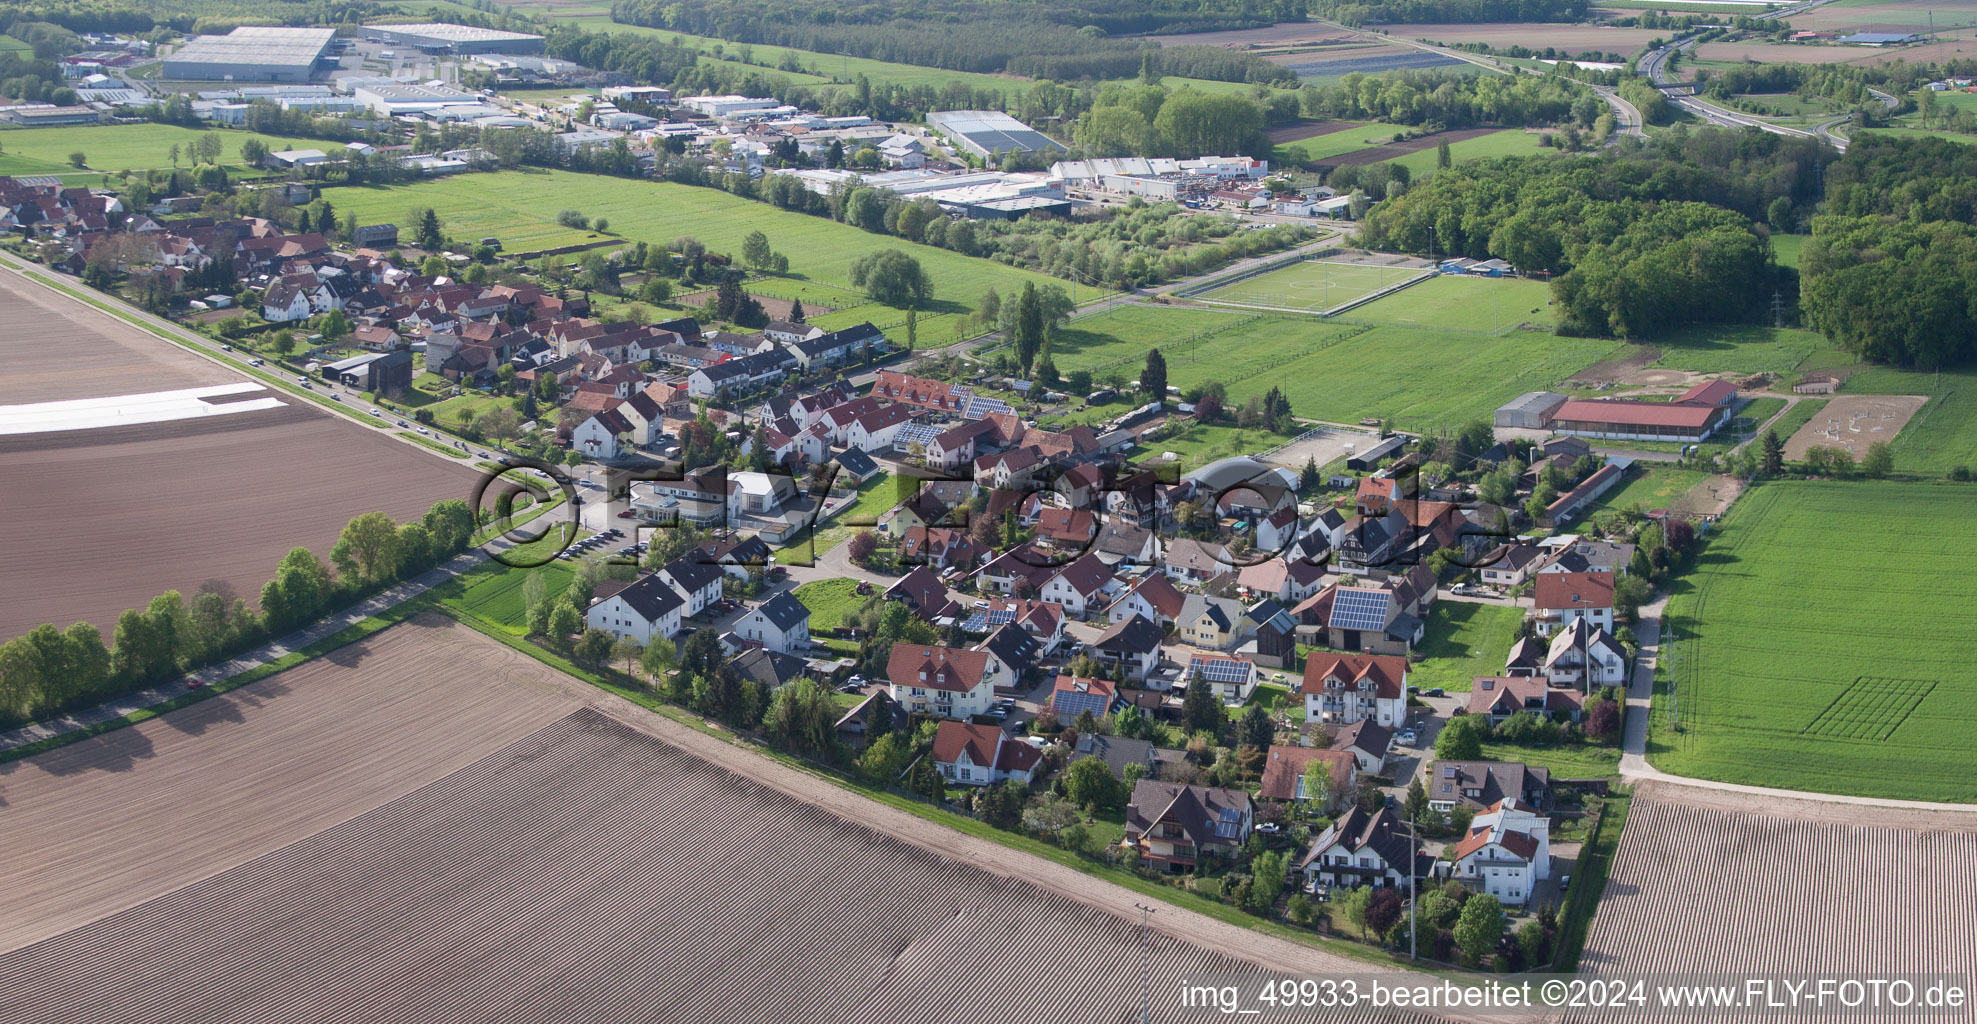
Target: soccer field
<point x="1824" y="643"/>
<point x="1313" y="285"/>
<point x="1493" y="304"/>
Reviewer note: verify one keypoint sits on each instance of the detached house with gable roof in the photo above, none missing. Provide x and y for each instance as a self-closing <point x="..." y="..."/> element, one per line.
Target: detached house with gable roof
<point x="1506" y="853"/>
<point x="941" y="681"/>
<point x="1562" y="597"/>
<point x="782" y="623"/>
<point x="982" y="755"/>
<point x="1180" y="826"/>
<point x="1347" y="688"/>
<point x="1364" y="849"/>
<point x="1073" y="694"/>
<point x="644" y="610"/>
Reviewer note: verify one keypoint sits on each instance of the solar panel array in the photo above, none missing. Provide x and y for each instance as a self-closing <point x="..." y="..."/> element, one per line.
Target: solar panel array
<point x="1360" y="609"/>
<point x="1220" y="670"/>
<point x="978" y="406"/>
<point x="986" y="620"/>
<point x="920" y="433"/>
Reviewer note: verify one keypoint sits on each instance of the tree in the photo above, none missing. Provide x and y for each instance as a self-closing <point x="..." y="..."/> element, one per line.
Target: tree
<point x="428" y="235"/>
<point x="1774" y="454"/>
<point x="593" y="647"/>
<point x="1153" y="378"/>
<point x="1630" y="592"/>
<point x="77" y="160"/>
<point x="1001" y="805"/>
<point x="1089" y="783"/>
<point x="370" y="549"/>
<point x="1416" y="804"/>
<point x="989" y="309"/>
<point x="1309" y="478"/>
<point x="1201" y="710"/>
<point x="1878" y="462"/>
<point x="1462" y="738"/>
<point x="1317" y="788"/>
<point x="1603" y="721"/>
<point x="658" y="658"/>
<point x="1443" y="158"/>
<point x="1029" y="327"/>
<point x="564" y="621"/>
<point x="796" y="313"/>
<point x="804" y="717"/>
<point x="1356" y="904"/>
<point x="1383" y="911"/>
<point x="1268" y="871"/>
<point x="755" y="250"/>
<point x="1480" y="928"/>
<point x="892" y="277"/>
<point x="862" y="547"/>
<point x="885" y="758"/>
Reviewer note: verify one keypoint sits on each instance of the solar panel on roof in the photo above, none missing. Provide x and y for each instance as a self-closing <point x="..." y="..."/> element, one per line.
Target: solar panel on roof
<point x="1220" y="670"/>
<point x="985" y="621"/>
<point x="1360" y="609"/>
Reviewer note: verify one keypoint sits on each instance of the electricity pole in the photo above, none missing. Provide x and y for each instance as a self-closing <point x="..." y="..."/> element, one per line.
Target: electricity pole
<point x="1413" y="903"/>
<point x="1145" y="960"/>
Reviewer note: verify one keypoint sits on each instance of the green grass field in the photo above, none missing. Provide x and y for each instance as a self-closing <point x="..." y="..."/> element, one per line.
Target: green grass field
<point x="1309" y="285"/>
<point x="1943" y="433"/>
<point x="1318" y="147"/>
<point x="494" y="593"/>
<point x="1818" y="650"/>
<point x="8" y="44"/>
<point x="829" y="601"/>
<point x="520" y="208"/>
<point x="123" y="147"/>
<point x="1923" y="133"/>
<point x="1727" y="348"/>
<point x="1797" y="416"/>
<point x="1583" y="761"/>
<point x="1788" y="248"/>
<point x="1464" y="640"/>
<point x="1651" y="485"/>
<point x="1118" y="338"/>
<point x="817" y="67"/>
<point x="1508" y="142"/>
<point x="1493" y="304"/>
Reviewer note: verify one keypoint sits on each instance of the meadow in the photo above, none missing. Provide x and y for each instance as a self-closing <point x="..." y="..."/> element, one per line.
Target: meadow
<point x="520" y="208"/>
<point x="1464" y="640"/>
<point x="1318" y="147"/>
<point x="1494" y="304"/>
<point x="1943" y="434"/>
<point x="817" y="67"/>
<point x="1800" y="414"/>
<point x="1309" y="285"/>
<point x="1814" y="650"/>
<point x="1731" y="348"/>
<point x="1788" y="248"/>
<point x="1508" y="142"/>
<point x="124" y="147"/>
<point x="1655" y="486"/>
<point x="1117" y="339"/>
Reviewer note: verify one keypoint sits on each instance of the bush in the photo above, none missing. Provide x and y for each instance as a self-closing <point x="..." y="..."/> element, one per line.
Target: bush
<point x="1961" y="474"/>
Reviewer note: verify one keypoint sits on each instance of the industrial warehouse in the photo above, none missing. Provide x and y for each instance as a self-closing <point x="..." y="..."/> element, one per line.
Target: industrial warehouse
<point x="251" y="53"/>
<point x="454" y="39"/>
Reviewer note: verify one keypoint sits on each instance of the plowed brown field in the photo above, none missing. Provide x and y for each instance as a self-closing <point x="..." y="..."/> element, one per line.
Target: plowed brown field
<point x="54" y="348"/>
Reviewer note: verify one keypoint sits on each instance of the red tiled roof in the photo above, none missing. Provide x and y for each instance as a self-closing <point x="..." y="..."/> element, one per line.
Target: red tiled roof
<point x="1574" y="590"/>
<point x="1624" y="413"/>
<point x="1388" y="672"/>
<point x="1286" y="765"/>
<point x="939" y="668"/>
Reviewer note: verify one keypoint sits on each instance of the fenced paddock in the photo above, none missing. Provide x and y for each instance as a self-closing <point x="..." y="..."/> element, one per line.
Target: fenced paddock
<point x="1319" y="286"/>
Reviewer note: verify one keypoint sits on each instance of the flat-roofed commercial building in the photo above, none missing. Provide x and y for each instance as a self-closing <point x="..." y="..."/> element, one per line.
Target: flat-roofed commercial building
<point x="251" y="53"/>
<point x="442" y="38"/>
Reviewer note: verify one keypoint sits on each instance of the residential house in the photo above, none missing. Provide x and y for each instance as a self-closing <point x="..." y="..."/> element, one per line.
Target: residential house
<point x="1509" y="565"/>
<point x="1585" y="657"/>
<point x="1346" y="688"/>
<point x="1359" y="849"/>
<point x="1122" y="542"/>
<point x="1368" y="742"/>
<point x="1506" y="853"/>
<point x="1012" y="654"/>
<point x="284" y="302"/>
<point x="1020" y="567"/>
<point x="1118" y="753"/>
<point x="982" y="755"/>
<point x="772" y="669"/>
<point x="1130" y="647"/>
<point x="1193" y="561"/>
<point x="1499" y="697"/>
<point x="1210" y="623"/>
<point x="924" y="594"/>
<point x="1292" y="579"/>
<point x="1564" y="597"/>
<point x="782" y="623"/>
<point x="1270" y="635"/>
<point x="1478" y="785"/>
<point x="645" y="609"/>
<point x="940" y="680"/>
<point x="1078" y="586"/>
<point x="1040" y="619"/>
<point x="1072" y="695"/>
<point x="598" y="436"/>
<point x="1180" y="826"/>
<point x="1371" y="618"/>
<point x="1285" y="780"/>
<point x="1231" y="677"/>
<point x="1151" y="597"/>
<point x="1066" y="529"/>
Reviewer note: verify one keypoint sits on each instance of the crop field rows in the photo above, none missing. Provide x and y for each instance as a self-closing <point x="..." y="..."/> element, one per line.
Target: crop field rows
<point x="590" y="871"/>
<point x="1762" y="673"/>
<point x="1705" y="881"/>
<point x="1871" y="709"/>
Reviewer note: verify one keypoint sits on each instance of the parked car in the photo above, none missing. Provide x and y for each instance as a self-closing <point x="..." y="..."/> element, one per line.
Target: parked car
<point x="1270" y="828"/>
<point x="1406" y="737"/>
<point x="1436" y="692"/>
<point x="374" y="412"/>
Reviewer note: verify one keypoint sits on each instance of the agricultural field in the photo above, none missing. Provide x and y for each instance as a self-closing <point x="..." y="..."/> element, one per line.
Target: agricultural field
<point x="96" y="827"/>
<point x="1311" y="285"/>
<point x="520" y="208"/>
<point x="1902" y="878"/>
<point x="1799" y="53"/>
<point x="1465" y="639"/>
<point x="124" y="147"/>
<point x="1767" y="682"/>
<point x="1329" y="65"/>
<point x="1463" y="146"/>
<point x="1459" y="302"/>
<point x="1117" y="339"/>
<point x="544" y="888"/>
<point x="179" y="483"/>
<point x="817" y="67"/>
<point x="1569" y="39"/>
<point x="1316" y="148"/>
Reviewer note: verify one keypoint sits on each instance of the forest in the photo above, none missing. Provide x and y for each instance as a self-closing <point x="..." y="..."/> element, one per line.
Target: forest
<point x="1891" y="271"/>
<point x="1639" y="241"/>
<point x="1059" y="42"/>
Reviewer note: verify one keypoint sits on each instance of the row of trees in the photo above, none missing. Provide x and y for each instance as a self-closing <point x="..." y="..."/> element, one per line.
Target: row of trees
<point x="50" y="670"/>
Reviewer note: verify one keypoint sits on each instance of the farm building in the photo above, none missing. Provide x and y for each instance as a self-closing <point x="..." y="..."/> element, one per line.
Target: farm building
<point x="1576" y="500"/>
<point x="1531" y="410"/>
<point x="251" y="53"/>
<point x="44" y="115"/>
<point x="1694" y="415"/>
<point x="1371" y="457"/>
<point x="387" y="373"/>
<point x="988" y="132"/>
<point x="439" y="38"/>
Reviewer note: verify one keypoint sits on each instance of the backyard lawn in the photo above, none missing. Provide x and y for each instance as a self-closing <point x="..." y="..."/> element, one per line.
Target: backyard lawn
<point x="829" y="601"/>
<point x="875" y="496"/>
<point x="1464" y="640"/>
